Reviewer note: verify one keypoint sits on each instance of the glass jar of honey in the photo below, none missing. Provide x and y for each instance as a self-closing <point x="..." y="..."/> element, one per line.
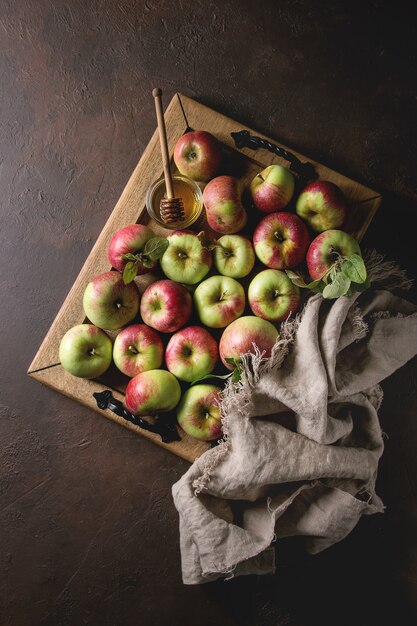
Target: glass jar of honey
<point x="184" y="188"/>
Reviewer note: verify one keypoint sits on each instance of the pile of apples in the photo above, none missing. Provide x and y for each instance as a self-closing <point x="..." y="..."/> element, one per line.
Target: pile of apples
<point x="188" y="319"/>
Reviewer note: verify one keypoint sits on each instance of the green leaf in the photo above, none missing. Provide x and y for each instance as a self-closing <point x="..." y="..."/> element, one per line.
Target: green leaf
<point x="338" y="287"/>
<point x="155" y="248"/>
<point x="129" y="257"/>
<point x="208" y="376"/>
<point x="361" y="286"/>
<point x="354" y="268"/>
<point x="129" y="272"/>
<point x="298" y="280"/>
<point x="232" y="360"/>
<point x="319" y="287"/>
<point x="236" y="375"/>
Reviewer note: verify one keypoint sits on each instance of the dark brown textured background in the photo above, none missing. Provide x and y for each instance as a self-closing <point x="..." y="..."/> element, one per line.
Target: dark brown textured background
<point x="89" y="531"/>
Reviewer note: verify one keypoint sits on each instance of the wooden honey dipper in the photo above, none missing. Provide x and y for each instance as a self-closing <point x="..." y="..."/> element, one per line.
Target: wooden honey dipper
<point x="171" y="209"/>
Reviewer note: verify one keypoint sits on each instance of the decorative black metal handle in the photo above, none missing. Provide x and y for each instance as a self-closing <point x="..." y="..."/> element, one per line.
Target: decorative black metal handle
<point x="243" y="139"/>
<point x="166" y="429"/>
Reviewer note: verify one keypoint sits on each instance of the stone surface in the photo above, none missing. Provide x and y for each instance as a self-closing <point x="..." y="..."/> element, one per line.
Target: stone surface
<point x="89" y="531"/>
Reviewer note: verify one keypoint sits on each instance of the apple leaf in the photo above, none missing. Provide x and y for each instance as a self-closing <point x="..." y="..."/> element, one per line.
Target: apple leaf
<point x="298" y="280"/>
<point x="339" y="286"/>
<point x="236" y="375"/>
<point x="361" y="286"/>
<point x="129" y="272"/>
<point x="231" y="360"/>
<point x="129" y="257"/>
<point x="155" y="248"/>
<point x="354" y="269"/>
<point x="208" y="376"/>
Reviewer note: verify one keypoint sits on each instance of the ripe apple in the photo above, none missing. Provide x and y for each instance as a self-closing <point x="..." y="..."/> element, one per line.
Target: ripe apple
<point x="234" y="256"/>
<point x="198" y="155"/>
<point x="281" y="240"/>
<point x="153" y="391"/>
<point x="222" y="198"/>
<point x="191" y="353"/>
<point x="325" y="249"/>
<point x="240" y="336"/>
<point x="85" y="351"/>
<point x="273" y="296"/>
<point x="322" y="205"/>
<point x="186" y="260"/>
<point x="137" y="348"/>
<point x="166" y="306"/>
<point x="109" y="303"/>
<point x="219" y="300"/>
<point x="129" y="239"/>
<point x="272" y="189"/>
<point x="199" y="414"/>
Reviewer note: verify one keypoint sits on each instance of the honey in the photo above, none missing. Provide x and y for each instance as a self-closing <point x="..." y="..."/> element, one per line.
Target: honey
<point x="184" y="188"/>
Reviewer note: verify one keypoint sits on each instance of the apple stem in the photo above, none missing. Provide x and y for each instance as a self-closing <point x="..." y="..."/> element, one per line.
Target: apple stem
<point x="279" y="236"/>
<point x="91" y="352"/>
<point x="133" y="350"/>
<point x="182" y="255"/>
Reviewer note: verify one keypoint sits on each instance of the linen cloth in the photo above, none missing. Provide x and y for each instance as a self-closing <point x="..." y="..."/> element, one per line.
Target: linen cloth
<point x="302" y="439"/>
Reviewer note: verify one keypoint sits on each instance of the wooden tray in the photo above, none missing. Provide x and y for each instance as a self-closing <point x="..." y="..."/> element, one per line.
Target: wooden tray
<point x="182" y="114"/>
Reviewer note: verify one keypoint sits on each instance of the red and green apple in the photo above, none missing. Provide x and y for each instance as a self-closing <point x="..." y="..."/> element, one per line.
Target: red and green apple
<point x="327" y="248"/>
<point x="234" y="256"/>
<point x="166" y="306"/>
<point x="322" y="205"/>
<point x="241" y="335"/>
<point x="152" y="392"/>
<point x="198" y="413"/>
<point x="191" y="353"/>
<point x="186" y="260"/>
<point x="137" y="348"/>
<point x="219" y="300"/>
<point x="272" y="189"/>
<point x="198" y="155"/>
<point x="273" y="296"/>
<point x="130" y="240"/>
<point x="109" y="303"/>
<point x="222" y="198"/>
<point x="85" y="351"/>
<point x="281" y="240"/>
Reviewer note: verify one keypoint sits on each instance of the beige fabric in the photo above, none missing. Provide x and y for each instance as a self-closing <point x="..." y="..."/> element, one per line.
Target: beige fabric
<point x="302" y="440"/>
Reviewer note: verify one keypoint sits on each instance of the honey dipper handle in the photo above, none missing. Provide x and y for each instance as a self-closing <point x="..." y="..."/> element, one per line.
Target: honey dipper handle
<point x="157" y="93"/>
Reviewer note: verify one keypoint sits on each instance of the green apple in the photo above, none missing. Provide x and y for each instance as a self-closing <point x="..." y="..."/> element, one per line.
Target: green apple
<point x="151" y="392"/>
<point x="219" y="300"/>
<point x="109" y="303"/>
<point x="273" y="296"/>
<point x="199" y="414"/>
<point x="185" y="260"/>
<point x="234" y="256"/>
<point x="85" y="351"/>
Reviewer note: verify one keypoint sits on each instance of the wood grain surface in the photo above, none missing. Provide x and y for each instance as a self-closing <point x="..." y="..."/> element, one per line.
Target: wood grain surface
<point x="89" y="533"/>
